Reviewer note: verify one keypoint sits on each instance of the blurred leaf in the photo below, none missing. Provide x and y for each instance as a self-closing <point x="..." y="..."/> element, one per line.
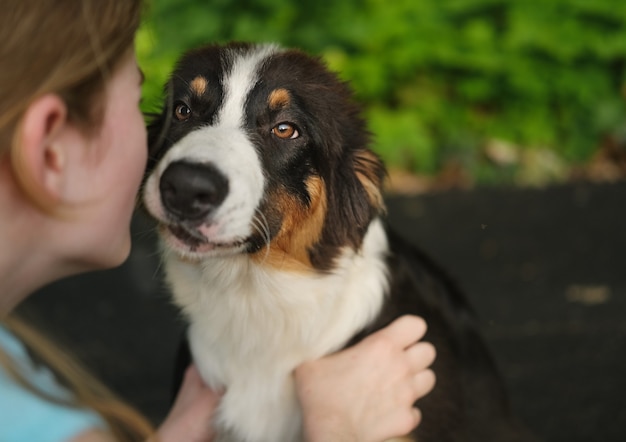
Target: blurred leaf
<point x="437" y="79"/>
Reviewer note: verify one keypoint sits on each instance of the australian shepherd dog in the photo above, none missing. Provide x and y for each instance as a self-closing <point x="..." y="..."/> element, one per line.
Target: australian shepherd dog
<point x="270" y="213"/>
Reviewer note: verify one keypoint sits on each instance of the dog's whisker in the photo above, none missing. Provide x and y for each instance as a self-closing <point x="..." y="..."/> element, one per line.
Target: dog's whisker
<point x="157" y="269"/>
<point x="145" y="233"/>
<point x="259" y="222"/>
<point x="265" y="226"/>
<point x="261" y="228"/>
<point x="259" y="225"/>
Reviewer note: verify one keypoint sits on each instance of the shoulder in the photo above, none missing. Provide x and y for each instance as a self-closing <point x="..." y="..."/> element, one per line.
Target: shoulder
<point x="24" y="415"/>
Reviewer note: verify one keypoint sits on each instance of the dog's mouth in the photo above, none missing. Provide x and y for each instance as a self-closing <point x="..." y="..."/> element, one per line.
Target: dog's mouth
<point x="189" y="239"/>
<point x="188" y="236"/>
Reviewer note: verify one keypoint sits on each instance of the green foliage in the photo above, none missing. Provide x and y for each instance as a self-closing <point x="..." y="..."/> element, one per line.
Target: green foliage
<point x="438" y="79"/>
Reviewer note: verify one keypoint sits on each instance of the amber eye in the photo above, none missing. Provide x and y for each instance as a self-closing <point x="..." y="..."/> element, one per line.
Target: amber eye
<point x="285" y="131"/>
<point x="182" y="112"/>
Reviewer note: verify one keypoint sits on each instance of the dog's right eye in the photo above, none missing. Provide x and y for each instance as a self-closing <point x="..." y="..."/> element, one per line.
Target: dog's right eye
<point x="285" y="131"/>
<point x="182" y="112"/>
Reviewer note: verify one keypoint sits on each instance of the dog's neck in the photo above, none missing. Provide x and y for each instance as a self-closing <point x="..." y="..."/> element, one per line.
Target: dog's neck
<point x="251" y="325"/>
<point x="240" y="303"/>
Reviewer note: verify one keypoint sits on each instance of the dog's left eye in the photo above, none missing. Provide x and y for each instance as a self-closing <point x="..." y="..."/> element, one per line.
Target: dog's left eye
<point x="286" y="131"/>
<point x="182" y="111"/>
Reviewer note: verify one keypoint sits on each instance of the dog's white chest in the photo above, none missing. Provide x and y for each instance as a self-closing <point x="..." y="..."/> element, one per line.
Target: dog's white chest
<point x="250" y="326"/>
<point x="260" y="403"/>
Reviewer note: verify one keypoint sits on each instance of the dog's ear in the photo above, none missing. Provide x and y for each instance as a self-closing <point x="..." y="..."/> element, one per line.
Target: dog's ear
<point x="156" y="139"/>
<point x="157" y="130"/>
<point x="357" y="195"/>
<point x="158" y="127"/>
<point x="352" y="172"/>
<point x="354" y="199"/>
<point x="370" y="172"/>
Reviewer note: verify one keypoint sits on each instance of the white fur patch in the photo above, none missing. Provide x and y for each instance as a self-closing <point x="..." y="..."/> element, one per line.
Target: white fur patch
<point x="252" y="325"/>
<point x="230" y="151"/>
<point x="238" y="84"/>
<point x="226" y="146"/>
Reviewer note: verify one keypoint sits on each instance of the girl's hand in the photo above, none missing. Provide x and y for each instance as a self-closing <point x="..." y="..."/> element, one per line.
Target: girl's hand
<point x="366" y="393"/>
<point x="192" y="413"/>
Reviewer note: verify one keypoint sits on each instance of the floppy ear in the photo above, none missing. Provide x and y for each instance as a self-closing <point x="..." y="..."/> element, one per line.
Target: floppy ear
<point x="358" y="193"/>
<point x="38" y="156"/>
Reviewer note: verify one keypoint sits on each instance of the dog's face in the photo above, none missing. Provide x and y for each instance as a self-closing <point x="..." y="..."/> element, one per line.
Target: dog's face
<point x="260" y="151"/>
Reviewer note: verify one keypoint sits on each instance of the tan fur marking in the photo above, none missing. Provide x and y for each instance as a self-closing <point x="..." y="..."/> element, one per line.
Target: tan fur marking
<point x="278" y="99"/>
<point x="370" y="181"/>
<point x="302" y="228"/>
<point x="198" y="85"/>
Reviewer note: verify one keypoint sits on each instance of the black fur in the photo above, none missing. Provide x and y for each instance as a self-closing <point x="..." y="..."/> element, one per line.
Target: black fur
<point x="469" y="402"/>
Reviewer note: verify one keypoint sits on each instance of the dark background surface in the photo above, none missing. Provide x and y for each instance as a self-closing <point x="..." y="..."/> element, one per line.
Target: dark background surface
<point x="544" y="270"/>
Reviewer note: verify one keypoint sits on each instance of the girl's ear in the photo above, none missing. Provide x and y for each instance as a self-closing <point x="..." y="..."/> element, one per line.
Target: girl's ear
<point x="39" y="155"/>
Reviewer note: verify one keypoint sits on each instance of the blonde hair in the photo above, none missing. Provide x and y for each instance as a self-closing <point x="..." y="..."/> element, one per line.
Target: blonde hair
<point x="68" y="48"/>
<point x="64" y="47"/>
<point x="124" y="423"/>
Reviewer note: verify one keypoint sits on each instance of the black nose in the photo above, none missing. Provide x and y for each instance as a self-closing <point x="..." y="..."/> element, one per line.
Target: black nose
<point x="190" y="191"/>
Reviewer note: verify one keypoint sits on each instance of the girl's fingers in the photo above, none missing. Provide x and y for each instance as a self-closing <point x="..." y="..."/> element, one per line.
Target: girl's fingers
<point x="421" y="355"/>
<point x="424" y="382"/>
<point x="406" y="330"/>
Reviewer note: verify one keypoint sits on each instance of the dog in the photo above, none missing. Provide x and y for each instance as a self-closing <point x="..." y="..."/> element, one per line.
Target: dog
<point x="270" y="212"/>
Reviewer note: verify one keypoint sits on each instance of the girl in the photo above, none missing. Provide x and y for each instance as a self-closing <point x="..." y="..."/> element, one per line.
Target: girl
<point x="72" y="154"/>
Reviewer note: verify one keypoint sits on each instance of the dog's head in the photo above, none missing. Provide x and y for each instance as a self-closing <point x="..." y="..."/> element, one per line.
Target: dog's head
<point x="260" y="151"/>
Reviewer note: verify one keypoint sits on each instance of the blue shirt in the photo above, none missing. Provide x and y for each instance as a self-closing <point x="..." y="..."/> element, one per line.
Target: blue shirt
<point x="26" y="417"/>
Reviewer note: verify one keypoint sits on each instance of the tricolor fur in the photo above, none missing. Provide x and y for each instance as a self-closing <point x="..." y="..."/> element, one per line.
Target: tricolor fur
<point x="269" y="203"/>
